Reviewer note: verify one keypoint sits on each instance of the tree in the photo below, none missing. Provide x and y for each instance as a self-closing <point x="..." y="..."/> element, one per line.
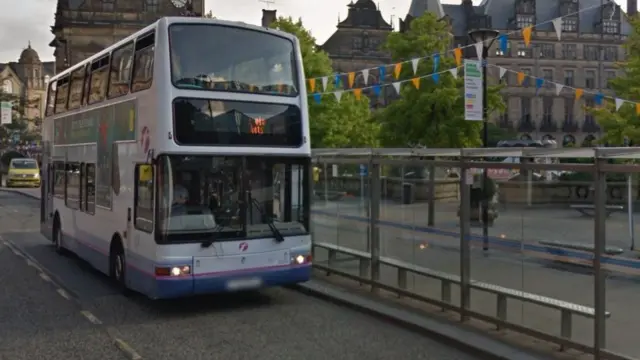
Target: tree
<point x="344" y="123"/>
<point x="624" y="122"/>
<point x="432" y="115"/>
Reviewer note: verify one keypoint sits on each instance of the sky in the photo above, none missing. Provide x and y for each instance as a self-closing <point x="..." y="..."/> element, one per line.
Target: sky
<point x="29" y="20"/>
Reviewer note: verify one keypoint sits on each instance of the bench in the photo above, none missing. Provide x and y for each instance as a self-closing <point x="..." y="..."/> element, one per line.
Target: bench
<point x="589" y="210"/>
<point x="567" y="309"/>
<point x="608" y="250"/>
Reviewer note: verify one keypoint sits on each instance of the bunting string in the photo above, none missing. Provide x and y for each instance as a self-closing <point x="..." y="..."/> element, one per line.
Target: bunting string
<point x="503" y="40"/>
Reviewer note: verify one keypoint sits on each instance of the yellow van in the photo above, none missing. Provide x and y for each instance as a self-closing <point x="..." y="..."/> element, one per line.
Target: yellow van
<point x="23" y="172"/>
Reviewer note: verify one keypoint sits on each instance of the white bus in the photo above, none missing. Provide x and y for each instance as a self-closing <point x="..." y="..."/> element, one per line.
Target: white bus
<point x="177" y="161"/>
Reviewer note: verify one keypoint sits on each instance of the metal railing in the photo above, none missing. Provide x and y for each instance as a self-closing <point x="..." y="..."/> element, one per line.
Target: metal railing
<point x="371" y="260"/>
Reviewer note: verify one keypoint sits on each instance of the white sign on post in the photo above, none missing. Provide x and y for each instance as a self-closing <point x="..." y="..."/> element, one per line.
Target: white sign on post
<point x="473" y="90"/>
<point x="6" y="112"/>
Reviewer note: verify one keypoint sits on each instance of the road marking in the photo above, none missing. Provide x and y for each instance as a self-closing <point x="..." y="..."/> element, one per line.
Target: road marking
<point x="33" y="265"/>
<point x="64" y="294"/>
<point x="127" y="350"/>
<point x="91" y="317"/>
<point x="45" y="277"/>
<point x="17" y="253"/>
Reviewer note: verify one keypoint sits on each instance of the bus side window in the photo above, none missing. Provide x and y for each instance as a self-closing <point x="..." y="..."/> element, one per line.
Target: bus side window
<point x="72" y="185"/>
<point x="99" y="80"/>
<point x="76" y="87"/>
<point x="51" y="98"/>
<point x="120" y="76"/>
<point x="89" y="189"/>
<point x="59" y="178"/>
<point x="143" y="62"/>
<point x="62" y="95"/>
<point x="143" y="198"/>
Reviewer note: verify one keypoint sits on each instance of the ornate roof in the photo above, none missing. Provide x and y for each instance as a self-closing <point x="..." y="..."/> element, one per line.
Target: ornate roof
<point x="29" y="56"/>
<point x="364" y="14"/>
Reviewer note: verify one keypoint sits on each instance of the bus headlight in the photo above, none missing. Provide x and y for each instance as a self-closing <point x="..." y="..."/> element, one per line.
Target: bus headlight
<point x="173" y="271"/>
<point x="301" y="259"/>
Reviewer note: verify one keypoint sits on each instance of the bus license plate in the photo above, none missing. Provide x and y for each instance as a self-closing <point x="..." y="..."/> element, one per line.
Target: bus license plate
<point x="244" y="284"/>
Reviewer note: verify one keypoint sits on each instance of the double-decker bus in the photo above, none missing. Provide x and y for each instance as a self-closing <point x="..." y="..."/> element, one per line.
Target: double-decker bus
<point x="177" y="161"/>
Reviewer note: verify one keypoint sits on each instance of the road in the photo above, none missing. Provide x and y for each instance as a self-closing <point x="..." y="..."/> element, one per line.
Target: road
<point x="37" y="322"/>
<point x="403" y="237"/>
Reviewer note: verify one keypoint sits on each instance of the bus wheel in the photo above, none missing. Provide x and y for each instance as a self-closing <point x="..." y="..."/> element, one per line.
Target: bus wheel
<point x="118" y="264"/>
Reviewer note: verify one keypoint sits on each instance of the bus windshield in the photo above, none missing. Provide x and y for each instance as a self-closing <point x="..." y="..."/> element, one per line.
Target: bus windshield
<point x="215" y="198"/>
<point x="225" y="58"/>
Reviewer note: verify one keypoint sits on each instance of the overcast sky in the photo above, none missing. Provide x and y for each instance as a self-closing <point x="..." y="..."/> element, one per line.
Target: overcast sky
<point x="22" y="21"/>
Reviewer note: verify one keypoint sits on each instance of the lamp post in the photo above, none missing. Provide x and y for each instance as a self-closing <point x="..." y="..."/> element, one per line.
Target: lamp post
<point x="486" y="37"/>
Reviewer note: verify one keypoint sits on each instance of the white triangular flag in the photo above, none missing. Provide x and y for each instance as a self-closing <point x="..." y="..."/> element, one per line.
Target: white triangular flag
<point x="479" y="46"/>
<point x="454" y="72"/>
<point x="619" y="103"/>
<point x="365" y="76"/>
<point x="338" y="95"/>
<point x="325" y="83"/>
<point x="559" y="88"/>
<point x="414" y="64"/>
<point x="557" y="24"/>
<point x="502" y="72"/>
<point x="396" y="85"/>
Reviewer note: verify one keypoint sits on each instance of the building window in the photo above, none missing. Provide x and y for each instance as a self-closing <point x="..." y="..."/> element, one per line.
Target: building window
<point x="588" y="115"/>
<point x="547" y="75"/>
<point x="610" y="27"/>
<point x="570" y="24"/>
<point x="152" y="6"/>
<point x="525" y="109"/>
<point x="522" y="21"/>
<point x="611" y="53"/>
<point x="7" y="86"/>
<point x="547" y="110"/>
<point x="357" y="43"/>
<point x="590" y="79"/>
<point x="568" y="109"/>
<point x="547" y="51"/>
<point x="108" y="5"/>
<point x="591" y="52"/>
<point x="569" y="51"/>
<point x="610" y="75"/>
<point x="524" y="51"/>
<point x="499" y="51"/>
<point x="569" y="75"/>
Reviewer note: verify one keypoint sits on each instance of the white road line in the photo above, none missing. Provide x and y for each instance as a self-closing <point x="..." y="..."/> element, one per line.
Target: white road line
<point x="33" y="265"/>
<point x="45" y="277"/>
<point x="91" y="317"/>
<point x="64" y="294"/>
<point x="127" y="350"/>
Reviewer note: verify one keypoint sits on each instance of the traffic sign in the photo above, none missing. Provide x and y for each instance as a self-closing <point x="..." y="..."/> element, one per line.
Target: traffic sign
<point x="363" y="170"/>
<point x="6" y="111"/>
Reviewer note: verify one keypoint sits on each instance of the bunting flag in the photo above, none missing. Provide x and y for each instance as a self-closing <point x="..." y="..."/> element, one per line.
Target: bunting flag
<point x="351" y="77"/>
<point x="414" y="65"/>
<point x="457" y="52"/>
<point x="526" y="35"/>
<point x="397" y="69"/>
<point x="312" y="85"/>
<point x="502" y="72"/>
<point x="479" y="45"/>
<point x="520" y="77"/>
<point x="365" y="76"/>
<point x="557" y="25"/>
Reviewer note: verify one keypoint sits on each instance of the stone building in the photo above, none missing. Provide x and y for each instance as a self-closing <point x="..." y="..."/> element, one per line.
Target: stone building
<point x="27" y="80"/>
<point x="83" y="28"/>
<point x="584" y="58"/>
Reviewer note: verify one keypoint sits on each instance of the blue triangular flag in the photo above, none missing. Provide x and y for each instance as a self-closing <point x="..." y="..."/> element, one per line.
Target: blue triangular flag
<point x="436" y="62"/>
<point x="376" y="90"/>
<point x="598" y="99"/>
<point x="337" y="81"/>
<point x="383" y="72"/>
<point x="539" y="82"/>
<point x="504" y="43"/>
<point x="436" y="77"/>
<point x="317" y="97"/>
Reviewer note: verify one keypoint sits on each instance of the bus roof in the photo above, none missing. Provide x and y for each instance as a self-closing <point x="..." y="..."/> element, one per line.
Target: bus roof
<point x="165" y="22"/>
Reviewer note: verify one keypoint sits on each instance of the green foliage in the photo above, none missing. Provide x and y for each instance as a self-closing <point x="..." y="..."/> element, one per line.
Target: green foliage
<point x="497" y="134"/>
<point x="625" y="122"/>
<point x="19" y="124"/>
<point x="341" y="124"/>
<point x="432" y="115"/>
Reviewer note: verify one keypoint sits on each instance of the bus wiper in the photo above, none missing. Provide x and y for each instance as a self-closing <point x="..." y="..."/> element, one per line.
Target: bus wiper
<point x="276" y="233"/>
<point x="208" y="243"/>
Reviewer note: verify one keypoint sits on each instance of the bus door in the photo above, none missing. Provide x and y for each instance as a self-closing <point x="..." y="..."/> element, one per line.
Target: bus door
<point x="140" y="215"/>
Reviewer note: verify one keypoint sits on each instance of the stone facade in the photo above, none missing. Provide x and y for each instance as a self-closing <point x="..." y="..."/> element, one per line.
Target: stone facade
<point x="584" y="58"/>
<point x="27" y="80"/>
<point x="83" y="28"/>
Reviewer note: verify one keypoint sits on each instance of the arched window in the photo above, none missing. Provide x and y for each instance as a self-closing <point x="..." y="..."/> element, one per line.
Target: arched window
<point x="7" y="86"/>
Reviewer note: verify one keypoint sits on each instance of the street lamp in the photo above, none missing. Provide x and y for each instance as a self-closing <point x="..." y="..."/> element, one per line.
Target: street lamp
<point x="486" y="37"/>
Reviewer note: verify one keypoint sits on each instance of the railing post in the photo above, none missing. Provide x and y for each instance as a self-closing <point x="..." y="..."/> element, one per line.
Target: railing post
<point x="431" y="212"/>
<point x="600" y="197"/>
<point x="374" y="195"/>
<point x="465" y="258"/>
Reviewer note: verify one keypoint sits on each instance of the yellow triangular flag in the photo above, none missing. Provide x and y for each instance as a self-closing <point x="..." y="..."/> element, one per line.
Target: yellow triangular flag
<point x="579" y="93"/>
<point x="312" y="85"/>
<point x="351" y="77"/>
<point x="637" y="108"/>
<point x="457" y="52"/>
<point x="397" y="69"/>
<point x="526" y="35"/>
<point x="357" y="93"/>
<point x="416" y="82"/>
<point x="520" y="78"/>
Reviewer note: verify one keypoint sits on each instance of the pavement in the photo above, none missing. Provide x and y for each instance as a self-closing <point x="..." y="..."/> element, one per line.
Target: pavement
<point x="56" y="307"/>
<point x="404" y="237"/>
